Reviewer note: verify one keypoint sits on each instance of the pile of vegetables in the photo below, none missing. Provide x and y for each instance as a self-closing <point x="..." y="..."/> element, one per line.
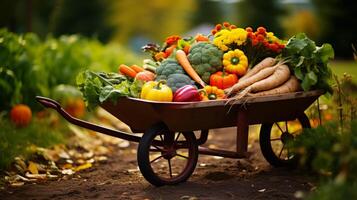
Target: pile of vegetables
<point x="231" y="62"/>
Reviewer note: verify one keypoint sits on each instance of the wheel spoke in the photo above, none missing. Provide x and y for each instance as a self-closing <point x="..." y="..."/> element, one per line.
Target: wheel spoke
<point x="169" y="161"/>
<point x="177" y="137"/>
<point x="181" y="156"/>
<point x="158" y="148"/>
<point x="157" y="158"/>
<point x="275" y="139"/>
<point x="279" y="127"/>
<point x="162" y="139"/>
<point x="286" y="126"/>
<point x="281" y="151"/>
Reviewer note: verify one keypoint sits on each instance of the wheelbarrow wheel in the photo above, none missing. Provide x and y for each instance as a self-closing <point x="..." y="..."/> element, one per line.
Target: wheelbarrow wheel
<point x="167" y="158"/>
<point x="274" y="138"/>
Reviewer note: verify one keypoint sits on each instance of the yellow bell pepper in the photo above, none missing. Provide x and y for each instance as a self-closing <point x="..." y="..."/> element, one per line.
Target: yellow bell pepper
<point x="212" y="93"/>
<point x="235" y="62"/>
<point x="156" y="91"/>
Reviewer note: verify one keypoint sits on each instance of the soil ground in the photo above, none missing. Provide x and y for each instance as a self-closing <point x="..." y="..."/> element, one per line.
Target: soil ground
<point x="213" y="178"/>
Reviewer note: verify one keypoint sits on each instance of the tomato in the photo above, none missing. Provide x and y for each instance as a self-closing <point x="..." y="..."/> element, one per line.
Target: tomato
<point x="21" y="115"/>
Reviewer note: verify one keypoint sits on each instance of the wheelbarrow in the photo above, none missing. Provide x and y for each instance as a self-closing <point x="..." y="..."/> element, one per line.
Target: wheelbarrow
<point x="168" y="150"/>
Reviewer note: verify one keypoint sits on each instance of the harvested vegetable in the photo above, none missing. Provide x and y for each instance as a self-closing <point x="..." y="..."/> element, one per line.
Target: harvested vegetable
<point x="266" y="62"/>
<point x="182" y="59"/>
<point x="156" y="91"/>
<point x="187" y="93"/>
<point x="21" y="115"/>
<point x="168" y="67"/>
<point x="235" y="62"/>
<point x="99" y="87"/>
<point x="127" y="71"/>
<point x="292" y="85"/>
<point x="137" y="68"/>
<point x="262" y="74"/>
<point x="223" y="80"/>
<point x="280" y="76"/>
<point x="173" y="74"/>
<point x="145" y="76"/>
<point x="212" y="93"/>
<point x="309" y="62"/>
<point x="175" y="81"/>
<point x="205" y="59"/>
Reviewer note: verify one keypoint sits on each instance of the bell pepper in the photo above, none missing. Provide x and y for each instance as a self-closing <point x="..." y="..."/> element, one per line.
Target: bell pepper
<point x="156" y="91"/>
<point x="235" y="62"/>
<point x="187" y="93"/>
<point x="223" y="80"/>
<point x="212" y="93"/>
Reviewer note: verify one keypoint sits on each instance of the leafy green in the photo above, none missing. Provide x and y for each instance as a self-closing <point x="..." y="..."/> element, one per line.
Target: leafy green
<point x="98" y="87"/>
<point x="309" y="62"/>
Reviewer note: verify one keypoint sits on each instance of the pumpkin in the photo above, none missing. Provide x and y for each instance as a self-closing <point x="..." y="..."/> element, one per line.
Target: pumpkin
<point x="21" y="115"/>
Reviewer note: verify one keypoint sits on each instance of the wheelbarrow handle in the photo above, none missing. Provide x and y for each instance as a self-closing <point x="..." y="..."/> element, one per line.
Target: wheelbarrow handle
<point x="48" y="103"/>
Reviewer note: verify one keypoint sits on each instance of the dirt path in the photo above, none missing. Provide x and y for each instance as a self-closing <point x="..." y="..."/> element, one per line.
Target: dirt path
<point x="214" y="178"/>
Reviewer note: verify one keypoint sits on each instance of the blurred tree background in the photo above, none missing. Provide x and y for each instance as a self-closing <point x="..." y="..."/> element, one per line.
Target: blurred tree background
<point x="135" y="22"/>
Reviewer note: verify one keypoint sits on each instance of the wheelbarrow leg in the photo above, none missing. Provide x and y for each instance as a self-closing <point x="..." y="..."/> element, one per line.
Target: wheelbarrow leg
<point x="242" y="131"/>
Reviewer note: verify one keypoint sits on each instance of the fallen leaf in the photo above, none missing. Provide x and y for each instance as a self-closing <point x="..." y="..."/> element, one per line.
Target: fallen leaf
<point x="33" y="168"/>
<point x="83" y="167"/>
<point x="68" y="172"/>
<point x="17" y="184"/>
<point x="36" y="176"/>
<point x="124" y="144"/>
<point x="262" y="190"/>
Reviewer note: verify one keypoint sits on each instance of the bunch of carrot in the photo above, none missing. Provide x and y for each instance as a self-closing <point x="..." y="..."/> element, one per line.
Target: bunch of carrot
<point x="269" y="77"/>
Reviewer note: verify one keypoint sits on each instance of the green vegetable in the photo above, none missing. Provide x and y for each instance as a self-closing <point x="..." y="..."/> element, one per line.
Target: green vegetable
<point x="168" y="67"/>
<point x="206" y="59"/>
<point x="173" y="74"/>
<point x="309" y="62"/>
<point x="100" y="87"/>
<point x="176" y="81"/>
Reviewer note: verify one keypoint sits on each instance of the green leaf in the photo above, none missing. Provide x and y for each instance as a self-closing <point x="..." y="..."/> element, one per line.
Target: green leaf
<point x="325" y="52"/>
<point x="298" y="73"/>
<point x="312" y="77"/>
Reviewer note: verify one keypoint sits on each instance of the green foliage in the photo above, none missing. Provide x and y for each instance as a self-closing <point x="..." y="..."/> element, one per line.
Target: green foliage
<point x="206" y="59"/>
<point x="328" y="151"/>
<point x="334" y="191"/>
<point x="30" y="67"/>
<point x="309" y="62"/>
<point x="100" y="87"/>
<point x="17" y="141"/>
<point x="20" y="79"/>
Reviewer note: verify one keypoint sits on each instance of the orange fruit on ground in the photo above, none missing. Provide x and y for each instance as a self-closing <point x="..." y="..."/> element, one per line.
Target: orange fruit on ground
<point x="21" y="115"/>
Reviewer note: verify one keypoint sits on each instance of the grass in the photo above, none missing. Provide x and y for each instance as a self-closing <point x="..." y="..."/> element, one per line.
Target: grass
<point x="339" y="67"/>
<point x="17" y="141"/>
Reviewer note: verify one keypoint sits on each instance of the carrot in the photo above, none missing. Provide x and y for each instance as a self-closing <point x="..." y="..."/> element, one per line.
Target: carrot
<point x="137" y="68"/>
<point x="249" y="81"/>
<point x="125" y="70"/>
<point x="182" y="59"/>
<point x="292" y="85"/>
<point x="267" y="62"/>
<point x="280" y="76"/>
